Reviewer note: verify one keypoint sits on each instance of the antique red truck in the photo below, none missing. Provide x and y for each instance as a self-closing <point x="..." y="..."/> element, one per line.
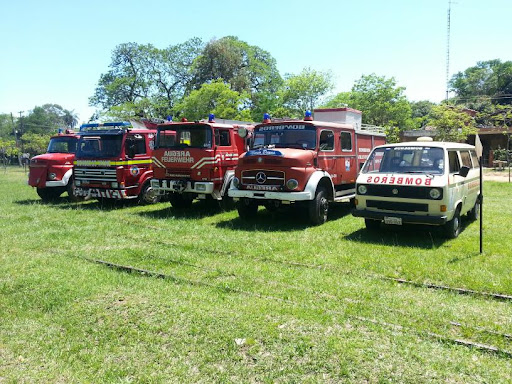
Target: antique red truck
<point x="51" y="173"/>
<point x="309" y="163"/>
<point x="196" y="160"/>
<point x="113" y="161"/>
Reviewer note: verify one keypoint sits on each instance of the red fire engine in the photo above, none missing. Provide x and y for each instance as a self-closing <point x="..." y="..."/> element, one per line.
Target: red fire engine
<point x="113" y="161"/>
<point x="51" y="173"/>
<point x="307" y="162"/>
<point x="196" y="160"/>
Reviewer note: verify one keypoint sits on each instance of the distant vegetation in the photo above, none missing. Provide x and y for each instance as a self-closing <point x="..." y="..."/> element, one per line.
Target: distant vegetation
<point x="236" y="80"/>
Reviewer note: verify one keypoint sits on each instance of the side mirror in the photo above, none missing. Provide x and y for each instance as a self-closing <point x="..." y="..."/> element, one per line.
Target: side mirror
<point x="464" y="170"/>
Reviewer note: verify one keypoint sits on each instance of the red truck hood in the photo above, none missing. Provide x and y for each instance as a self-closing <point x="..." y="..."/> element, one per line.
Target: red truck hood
<point x="54" y="158"/>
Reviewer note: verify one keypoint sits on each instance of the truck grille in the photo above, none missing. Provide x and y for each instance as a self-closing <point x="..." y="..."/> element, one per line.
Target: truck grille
<point x="263" y="177"/>
<point x="95" y="174"/>
<point x="397" y="206"/>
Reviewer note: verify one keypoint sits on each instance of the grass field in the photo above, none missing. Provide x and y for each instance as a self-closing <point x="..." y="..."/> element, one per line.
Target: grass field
<point x="272" y="300"/>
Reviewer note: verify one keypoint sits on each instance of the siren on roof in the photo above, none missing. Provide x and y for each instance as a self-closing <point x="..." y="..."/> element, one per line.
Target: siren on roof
<point x="211" y="118"/>
<point x="308" y="116"/>
<point x="266" y="118"/>
<point x="425" y="138"/>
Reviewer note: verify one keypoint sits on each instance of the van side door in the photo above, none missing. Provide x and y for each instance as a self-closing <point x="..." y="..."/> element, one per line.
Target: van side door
<point x="455" y="181"/>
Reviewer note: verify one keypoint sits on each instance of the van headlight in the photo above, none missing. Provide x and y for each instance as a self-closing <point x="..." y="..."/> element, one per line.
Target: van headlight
<point x="292" y="184"/>
<point x="362" y="189"/>
<point x="435" y="193"/>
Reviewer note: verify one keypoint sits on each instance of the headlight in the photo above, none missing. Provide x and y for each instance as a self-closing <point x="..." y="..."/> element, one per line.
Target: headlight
<point x="292" y="184"/>
<point x="435" y="193"/>
<point x="236" y="182"/>
<point x="52" y="176"/>
<point x="362" y="189"/>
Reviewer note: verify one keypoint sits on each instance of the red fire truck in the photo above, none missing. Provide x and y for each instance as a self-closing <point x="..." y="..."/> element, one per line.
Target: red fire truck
<point x="51" y="173"/>
<point x="113" y="161"/>
<point x="196" y="160"/>
<point x="305" y="162"/>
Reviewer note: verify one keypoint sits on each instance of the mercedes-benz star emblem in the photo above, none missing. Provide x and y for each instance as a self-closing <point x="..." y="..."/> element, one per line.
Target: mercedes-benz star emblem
<point x="261" y="177"/>
<point x="394" y="191"/>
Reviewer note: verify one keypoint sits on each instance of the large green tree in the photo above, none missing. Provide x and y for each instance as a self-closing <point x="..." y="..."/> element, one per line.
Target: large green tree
<point x="382" y="102"/>
<point x="302" y="92"/>
<point x="145" y="81"/>
<point x="487" y="82"/>
<point x="216" y="97"/>
<point x="245" y="67"/>
<point x="451" y="123"/>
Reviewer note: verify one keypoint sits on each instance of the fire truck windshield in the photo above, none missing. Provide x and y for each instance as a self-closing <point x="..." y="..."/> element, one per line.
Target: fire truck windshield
<point x="285" y="136"/>
<point x="102" y="146"/>
<point x="406" y="159"/>
<point x="184" y="136"/>
<point x="62" y="145"/>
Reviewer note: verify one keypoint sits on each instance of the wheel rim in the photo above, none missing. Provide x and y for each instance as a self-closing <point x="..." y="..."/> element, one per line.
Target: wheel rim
<point x="150" y="195"/>
<point x="324" y="208"/>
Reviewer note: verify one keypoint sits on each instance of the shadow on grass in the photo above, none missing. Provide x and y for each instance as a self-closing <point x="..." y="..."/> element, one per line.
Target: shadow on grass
<point x="284" y="219"/>
<point x="65" y="203"/>
<point x="413" y="236"/>
<point x="198" y="210"/>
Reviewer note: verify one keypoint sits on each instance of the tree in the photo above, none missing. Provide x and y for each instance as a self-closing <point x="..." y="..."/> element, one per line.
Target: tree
<point x="217" y="98"/>
<point x="245" y="67"/>
<point x="451" y="123"/>
<point x="489" y="80"/>
<point x="381" y="101"/>
<point x="46" y="119"/>
<point x="142" y="75"/>
<point x="302" y="92"/>
<point x="420" y="111"/>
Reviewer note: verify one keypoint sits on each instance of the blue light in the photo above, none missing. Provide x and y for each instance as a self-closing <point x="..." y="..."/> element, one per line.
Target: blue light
<point x="266" y="116"/>
<point x="169" y="118"/>
<point x="211" y="117"/>
<point x="60" y="130"/>
<point x="308" y="114"/>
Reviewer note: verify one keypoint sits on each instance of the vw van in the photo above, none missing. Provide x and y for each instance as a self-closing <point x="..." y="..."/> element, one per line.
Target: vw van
<point x="421" y="182"/>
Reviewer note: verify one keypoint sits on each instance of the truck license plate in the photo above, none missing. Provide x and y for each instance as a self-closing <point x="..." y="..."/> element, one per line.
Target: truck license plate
<point x="393" y="220"/>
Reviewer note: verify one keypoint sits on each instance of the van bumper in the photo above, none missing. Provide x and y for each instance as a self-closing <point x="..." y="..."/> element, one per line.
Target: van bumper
<point x="406" y="218"/>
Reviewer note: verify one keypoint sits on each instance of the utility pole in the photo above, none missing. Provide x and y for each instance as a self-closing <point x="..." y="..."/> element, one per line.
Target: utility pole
<point x="448" y="48"/>
<point x="20" y="156"/>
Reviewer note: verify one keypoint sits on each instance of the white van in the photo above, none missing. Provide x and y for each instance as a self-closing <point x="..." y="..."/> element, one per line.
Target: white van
<point x="421" y="182"/>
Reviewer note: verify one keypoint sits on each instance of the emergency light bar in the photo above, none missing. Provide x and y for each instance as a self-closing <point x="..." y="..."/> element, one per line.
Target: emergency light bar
<point x="99" y="126"/>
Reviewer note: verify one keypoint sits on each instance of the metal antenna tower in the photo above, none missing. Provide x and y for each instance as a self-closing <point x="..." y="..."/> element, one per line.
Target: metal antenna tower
<point x="448" y="48"/>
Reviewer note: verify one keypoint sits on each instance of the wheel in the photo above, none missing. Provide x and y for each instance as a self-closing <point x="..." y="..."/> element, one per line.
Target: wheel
<point x="180" y="201"/>
<point x="70" y="188"/>
<point x="148" y="195"/>
<point x="49" y="194"/>
<point x="452" y="228"/>
<point x="372" y="225"/>
<point x="474" y="214"/>
<point x="319" y="207"/>
<point x="246" y="209"/>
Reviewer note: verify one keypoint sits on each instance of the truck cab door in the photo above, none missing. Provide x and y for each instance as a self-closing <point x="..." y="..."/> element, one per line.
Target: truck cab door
<point x="327" y="158"/>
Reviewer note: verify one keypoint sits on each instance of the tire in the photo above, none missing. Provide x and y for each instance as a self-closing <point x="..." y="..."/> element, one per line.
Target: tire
<point x="148" y="195"/>
<point x="227" y="203"/>
<point x="319" y="207"/>
<point x="247" y="209"/>
<point x="49" y="194"/>
<point x="452" y="227"/>
<point x="180" y="201"/>
<point x="372" y="225"/>
<point x="70" y="188"/>
<point x="474" y="214"/>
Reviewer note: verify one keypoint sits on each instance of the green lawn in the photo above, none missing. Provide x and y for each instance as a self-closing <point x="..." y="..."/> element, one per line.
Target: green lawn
<point x="271" y="300"/>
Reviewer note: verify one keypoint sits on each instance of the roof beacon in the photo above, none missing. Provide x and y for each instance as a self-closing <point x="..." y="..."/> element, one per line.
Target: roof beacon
<point x="211" y="118"/>
<point x="308" y="116"/>
<point x="266" y="118"/>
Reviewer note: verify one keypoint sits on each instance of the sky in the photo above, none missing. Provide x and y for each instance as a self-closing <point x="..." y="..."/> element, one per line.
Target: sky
<point x="55" y="51"/>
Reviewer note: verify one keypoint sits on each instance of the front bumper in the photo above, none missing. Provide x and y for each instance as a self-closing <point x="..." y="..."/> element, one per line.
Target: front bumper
<point x="117" y="194"/>
<point x="182" y="186"/>
<point x="268" y="195"/>
<point x="406" y="218"/>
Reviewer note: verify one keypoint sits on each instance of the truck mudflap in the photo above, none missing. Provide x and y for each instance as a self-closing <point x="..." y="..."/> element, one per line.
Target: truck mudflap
<point x="406" y="218"/>
<point x="118" y="194"/>
<point x="182" y="186"/>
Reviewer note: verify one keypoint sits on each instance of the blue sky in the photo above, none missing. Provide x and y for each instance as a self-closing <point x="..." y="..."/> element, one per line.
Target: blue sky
<point x="55" y="51"/>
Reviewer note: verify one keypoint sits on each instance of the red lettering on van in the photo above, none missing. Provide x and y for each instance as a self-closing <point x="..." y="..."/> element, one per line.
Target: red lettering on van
<point x="409" y="180"/>
<point x="428" y="181"/>
<point x="384" y="180"/>
<point x="392" y="180"/>
<point x="418" y="181"/>
<point x="369" y="179"/>
<point x="376" y="180"/>
<point x="400" y="180"/>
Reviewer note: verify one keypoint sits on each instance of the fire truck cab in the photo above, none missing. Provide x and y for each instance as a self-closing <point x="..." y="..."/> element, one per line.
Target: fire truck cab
<point x="305" y="162"/>
<point x="51" y="173"/>
<point x="196" y="160"/>
<point x="113" y="161"/>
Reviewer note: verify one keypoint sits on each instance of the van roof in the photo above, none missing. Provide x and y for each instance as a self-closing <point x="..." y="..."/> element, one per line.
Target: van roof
<point x="436" y="144"/>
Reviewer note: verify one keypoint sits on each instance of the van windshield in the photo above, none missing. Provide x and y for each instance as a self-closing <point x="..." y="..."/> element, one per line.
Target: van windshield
<point x="404" y="159"/>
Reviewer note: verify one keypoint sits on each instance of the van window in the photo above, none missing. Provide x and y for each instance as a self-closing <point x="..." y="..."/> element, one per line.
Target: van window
<point x="327" y="141"/>
<point x="474" y="157"/>
<point x="346" y="141"/>
<point x="466" y="159"/>
<point x="222" y="138"/>
<point x="453" y="160"/>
